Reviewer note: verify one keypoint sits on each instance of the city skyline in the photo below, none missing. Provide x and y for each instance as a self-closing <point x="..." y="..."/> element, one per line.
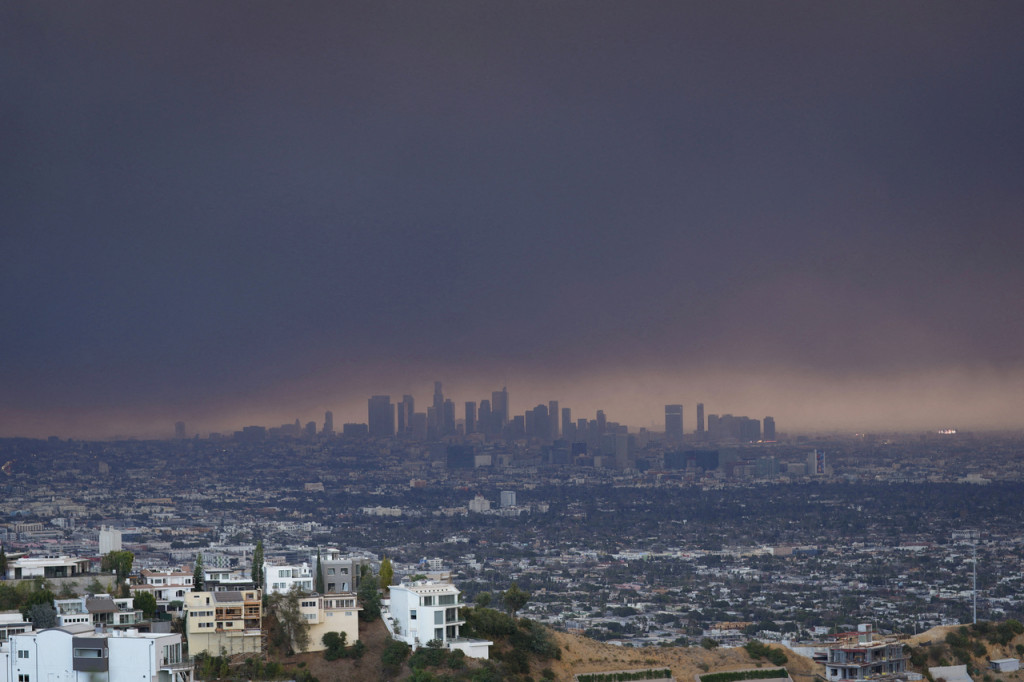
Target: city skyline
<point x="229" y="215"/>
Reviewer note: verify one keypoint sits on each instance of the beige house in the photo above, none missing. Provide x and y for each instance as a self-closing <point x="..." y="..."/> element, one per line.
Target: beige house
<point x="325" y="613"/>
<point x="219" y="622"/>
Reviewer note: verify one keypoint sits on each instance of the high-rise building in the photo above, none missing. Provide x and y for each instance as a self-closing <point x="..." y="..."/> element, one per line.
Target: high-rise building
<point x="381" y="415"/>
<point x="448" y="420"/>
<point x="485" y="418"/>
<point x="438" y="399"/>
<point x="470" y="417"/>
<point x="499" y="406"/>
<point x="328" y="423"/>
<point x="508" y="498"/>
<point x="179" y="430"/>
<point x="700" y="419"/>
<point x="602" y="421"/>
<point x="405" y="412"/>
<point x="769" y="429"/>
<point x="674" y="423"/>
<point x="568" y="430"/>
<point x="537" y="422"/>
<point x="553" y="430"/>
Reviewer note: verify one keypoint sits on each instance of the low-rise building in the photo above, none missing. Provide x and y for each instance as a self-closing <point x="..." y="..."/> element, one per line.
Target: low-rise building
<point x="279" y="579"/>
<point x="165" y="586"/>
<point x="98" y="610"/>
<point x="862" y="656"/>
<point x="224" y="622"/>
<point x="330" y="613"/>
<point x="46" y="567"/>
<point x="77" y="653"/>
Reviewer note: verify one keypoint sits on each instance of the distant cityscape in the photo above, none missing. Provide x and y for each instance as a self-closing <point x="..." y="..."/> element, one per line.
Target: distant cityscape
<point x="597" y="441"/>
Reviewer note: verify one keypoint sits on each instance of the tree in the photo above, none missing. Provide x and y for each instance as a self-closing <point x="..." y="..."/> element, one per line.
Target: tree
<point x="120" y="562"/>
<point x="198" y="582"/>
<point x="369" y="599"/>
<point x="257" y="564"/>
<point x="42" y="616"/>
<point x="483" y="600"/>
<point x="319" y="574"/>
<point x="38" y="597"/>
<point x="387" y="572"/>
<point x="514" y="599"/>
<point x="293" y="624"/>
<point x="145" y="602"/>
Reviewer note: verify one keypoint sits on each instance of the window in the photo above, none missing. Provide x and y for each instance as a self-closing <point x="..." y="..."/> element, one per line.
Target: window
<point x="88" y="653"/>
<point x="412" y="614"/>
<point x="22" y="653"/>
<point x="428" y="601"/>
<point x="330" y="571"/>
<point x="438" y="617"/>
<point x="446" y="600"/>
<point x="23" y="678"/>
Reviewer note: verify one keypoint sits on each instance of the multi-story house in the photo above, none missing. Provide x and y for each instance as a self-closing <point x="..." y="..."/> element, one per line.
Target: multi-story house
<point x="228" y="622"/>
<point x="330" y="613"/>
<point x="427" y="611"/>
<point x="165" y="586"/>
<point x="77" y="653"/>
<point x="98" y="610"/>
<point x="861" y="657"/>
<point x="340" y="573"/>
<point x="281" y="578"/>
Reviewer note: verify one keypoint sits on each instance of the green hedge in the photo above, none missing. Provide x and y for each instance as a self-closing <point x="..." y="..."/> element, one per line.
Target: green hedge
<point x="651" y="674"/>
<point x="767" y="674"/>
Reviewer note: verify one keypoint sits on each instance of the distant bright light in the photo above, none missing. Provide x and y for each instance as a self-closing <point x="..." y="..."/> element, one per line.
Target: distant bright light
<point x="947" y="432"/>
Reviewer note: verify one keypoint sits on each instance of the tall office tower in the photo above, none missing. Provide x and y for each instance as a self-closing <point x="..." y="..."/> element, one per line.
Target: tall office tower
<point x="448" y="421"/>
<point x="769" y="429"/>
<point x="674" y="423"/>
<point x="537" y="422"/>
<point x="567" y="423"/>
<point x="470" y="417"/>
<point x="310" y="430"/>
<point x="179" y="430"/>
<point x="328" y="423"/>
<point x="381" y="416"/>
<point x="700" y="419"/>
<point x="485" y="418"/>
<point x="602" y="421"/>
<point x="553" y="430"/>
<point x="499" y="407"/>
<point x="714" y="429"/>
<point x="581" y="429"/>
<point x="433" y="422"/>
<point x="508" y="498"/>
<point x="418" y="425"/>
<point x="405" y="412"/>
<point x="438" y="400"/>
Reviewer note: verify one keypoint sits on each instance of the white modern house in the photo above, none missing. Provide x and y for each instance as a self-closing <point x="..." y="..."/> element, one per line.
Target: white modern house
<point x="165" y="586"/>
<point x="426" y="611"/>
<point x="77" y="653"/>
<point x="98" y="609"/>
<point x="278" y="578"/>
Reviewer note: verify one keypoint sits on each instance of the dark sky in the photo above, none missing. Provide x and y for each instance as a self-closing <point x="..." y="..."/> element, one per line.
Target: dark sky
<point x="236" y="213"/>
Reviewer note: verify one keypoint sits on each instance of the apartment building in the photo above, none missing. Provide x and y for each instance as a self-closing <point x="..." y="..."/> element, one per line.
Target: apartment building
<point x="224" y="621"/>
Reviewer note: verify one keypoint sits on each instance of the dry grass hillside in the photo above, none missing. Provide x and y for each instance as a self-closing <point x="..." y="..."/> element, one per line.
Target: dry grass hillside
<point x="582" y="655"/>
